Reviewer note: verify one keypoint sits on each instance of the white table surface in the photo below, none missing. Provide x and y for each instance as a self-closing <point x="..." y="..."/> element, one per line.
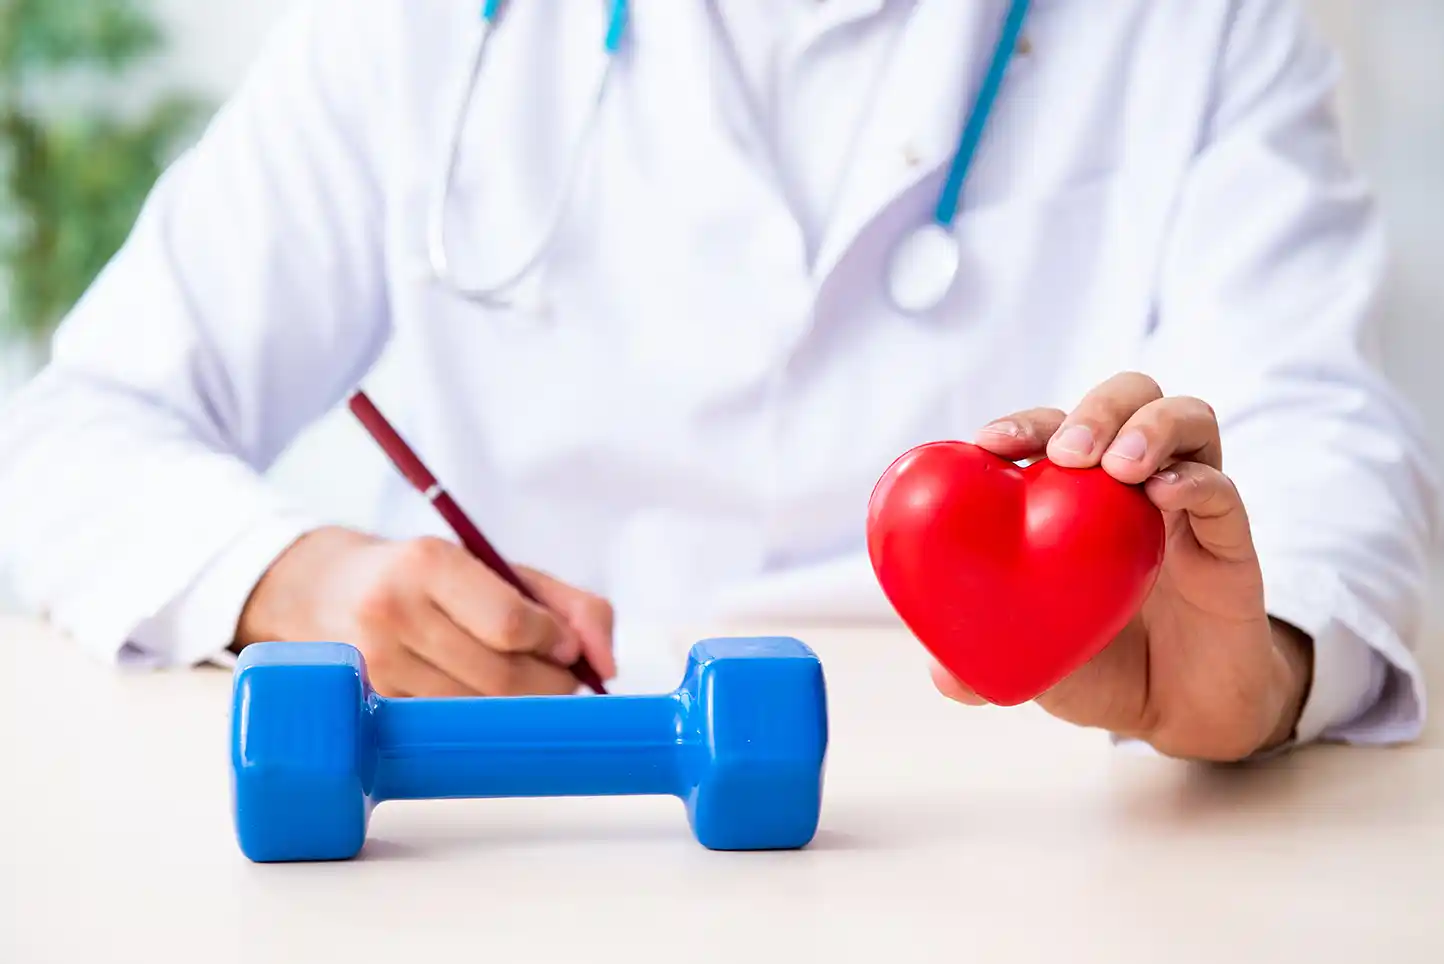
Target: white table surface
<point x="948" y="834"/>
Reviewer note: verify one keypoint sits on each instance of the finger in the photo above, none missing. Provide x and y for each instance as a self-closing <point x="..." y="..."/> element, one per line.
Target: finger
<point x="954" y="689"/>
<point x="1081" y="438"/>
<point x="405" y="675"/>
<point x="434" y="637"/>
<point x="499" y="674"/>
<point x="1021" y="435"/>
<point x="590" y="616"/>
<point x="1161" y="433"/>
<point x="476" y="668"/>
<point x="489" y="609"/>
<point x="1213" y="507"/>
<point x="523" y="674"/>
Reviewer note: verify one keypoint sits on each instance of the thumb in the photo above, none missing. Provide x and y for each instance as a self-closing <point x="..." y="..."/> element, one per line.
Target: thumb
<point x="954" y="688"/>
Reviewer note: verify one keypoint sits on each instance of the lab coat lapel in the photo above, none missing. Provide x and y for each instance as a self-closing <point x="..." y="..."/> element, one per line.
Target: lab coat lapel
<point x="913" y="126"/>
<point x="685" y="77"/>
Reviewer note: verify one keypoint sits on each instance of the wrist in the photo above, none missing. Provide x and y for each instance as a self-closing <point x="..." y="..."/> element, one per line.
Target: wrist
<point x="287" y="602"/>
<point x="1295" y="653"/>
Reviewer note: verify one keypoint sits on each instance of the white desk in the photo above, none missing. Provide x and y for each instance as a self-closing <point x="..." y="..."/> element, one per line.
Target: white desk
<point x="948" y="834"/>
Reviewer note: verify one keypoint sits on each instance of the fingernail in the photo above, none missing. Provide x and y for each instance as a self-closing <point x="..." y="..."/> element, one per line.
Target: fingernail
<point x="1006" y="428"/>
<point x="1075" y="440"/>
<point x="1167" y="476"/>
<point x="1130" y="445"/>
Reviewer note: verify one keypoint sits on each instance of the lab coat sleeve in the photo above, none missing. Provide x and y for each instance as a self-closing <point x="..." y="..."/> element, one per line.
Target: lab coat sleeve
<point x="1269" y="309"/>
<point x="245" y="303"/>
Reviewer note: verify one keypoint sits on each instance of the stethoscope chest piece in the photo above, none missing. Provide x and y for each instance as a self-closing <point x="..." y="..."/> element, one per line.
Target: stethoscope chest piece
<point x="923" y="268"/>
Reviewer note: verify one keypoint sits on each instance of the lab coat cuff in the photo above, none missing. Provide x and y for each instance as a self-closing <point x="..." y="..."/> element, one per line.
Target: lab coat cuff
<point x="1367" y="686"/>
<point x="199" y="624"/>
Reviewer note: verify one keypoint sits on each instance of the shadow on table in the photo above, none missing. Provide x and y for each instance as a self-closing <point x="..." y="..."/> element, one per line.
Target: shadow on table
<point x="1345" y="788"/>
<point x="461" y="835"/>
<point x="1338" y="787"/>
<point x="470" y="826"/>
<point x="1392" y="786"/>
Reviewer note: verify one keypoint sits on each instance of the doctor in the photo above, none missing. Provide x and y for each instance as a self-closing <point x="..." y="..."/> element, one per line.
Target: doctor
<point x="659" y="289"/>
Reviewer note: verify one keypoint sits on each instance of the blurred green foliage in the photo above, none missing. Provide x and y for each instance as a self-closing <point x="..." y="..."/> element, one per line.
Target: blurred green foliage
<point x="74" y="171"/>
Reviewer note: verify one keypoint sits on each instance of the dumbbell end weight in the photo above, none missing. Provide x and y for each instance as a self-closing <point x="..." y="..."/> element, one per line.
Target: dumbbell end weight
<point x="741" y="741"/>
<point x="300" y="774"/>
<point x="763" y="747"/>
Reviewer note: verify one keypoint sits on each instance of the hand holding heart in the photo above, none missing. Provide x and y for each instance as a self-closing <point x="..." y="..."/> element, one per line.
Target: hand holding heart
<point x="1114" y="579"/>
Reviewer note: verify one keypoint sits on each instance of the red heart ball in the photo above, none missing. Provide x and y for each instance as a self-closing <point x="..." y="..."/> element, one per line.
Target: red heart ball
<point x="1012" y="577"/>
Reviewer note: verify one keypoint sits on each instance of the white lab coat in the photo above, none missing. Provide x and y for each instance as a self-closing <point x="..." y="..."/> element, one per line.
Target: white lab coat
<point x="690" y="407"/>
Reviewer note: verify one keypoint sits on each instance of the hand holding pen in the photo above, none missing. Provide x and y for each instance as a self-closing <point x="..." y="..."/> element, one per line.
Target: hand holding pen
<point x="433" y="618"/>
<point x="421" y="479"/>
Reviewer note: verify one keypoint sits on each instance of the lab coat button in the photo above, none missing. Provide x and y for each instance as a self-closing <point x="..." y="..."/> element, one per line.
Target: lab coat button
<point x="910" y="155"/>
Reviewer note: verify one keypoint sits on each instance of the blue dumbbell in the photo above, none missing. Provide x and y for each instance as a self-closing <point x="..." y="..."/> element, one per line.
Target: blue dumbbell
<point x="741" y="741"/>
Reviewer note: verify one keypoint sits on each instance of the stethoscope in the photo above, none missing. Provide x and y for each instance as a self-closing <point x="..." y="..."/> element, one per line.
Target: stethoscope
<point x="923" y="265"/>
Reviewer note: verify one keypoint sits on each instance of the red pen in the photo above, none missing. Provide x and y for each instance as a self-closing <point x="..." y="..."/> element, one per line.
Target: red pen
<point x="421" y="479"/>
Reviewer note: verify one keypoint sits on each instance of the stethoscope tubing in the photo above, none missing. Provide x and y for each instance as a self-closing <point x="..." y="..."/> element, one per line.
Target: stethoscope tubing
<point x="438" y="248"/>
<point x="938" y="237"/>
<point x="950" y="198"/>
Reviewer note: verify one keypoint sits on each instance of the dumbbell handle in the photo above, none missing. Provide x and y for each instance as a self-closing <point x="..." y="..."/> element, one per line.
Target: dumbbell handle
<point x="531" y="747"/>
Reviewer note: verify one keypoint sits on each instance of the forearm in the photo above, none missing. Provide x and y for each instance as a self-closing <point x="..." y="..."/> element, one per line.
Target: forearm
<point x="1295" y="659"/>
<point x="247" y="301"/>
<point x="1268" y="308"/>
<point x="116" y="505"/>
